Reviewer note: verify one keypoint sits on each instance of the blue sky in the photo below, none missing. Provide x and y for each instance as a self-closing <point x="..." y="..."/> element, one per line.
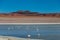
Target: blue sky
<point x="31" y="5"/>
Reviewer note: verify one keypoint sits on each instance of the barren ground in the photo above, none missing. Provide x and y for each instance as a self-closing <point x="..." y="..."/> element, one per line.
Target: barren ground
<point x="28" y="19"/>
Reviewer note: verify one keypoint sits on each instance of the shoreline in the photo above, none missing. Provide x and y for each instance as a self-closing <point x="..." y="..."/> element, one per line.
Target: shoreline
<point x="15" y="38"/>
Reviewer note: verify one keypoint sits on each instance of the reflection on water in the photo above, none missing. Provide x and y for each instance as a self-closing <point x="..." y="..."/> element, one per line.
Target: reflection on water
<point x="47" y="32"/>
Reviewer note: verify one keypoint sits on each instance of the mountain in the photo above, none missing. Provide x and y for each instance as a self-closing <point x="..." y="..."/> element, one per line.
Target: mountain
<point x="28" y="13"/>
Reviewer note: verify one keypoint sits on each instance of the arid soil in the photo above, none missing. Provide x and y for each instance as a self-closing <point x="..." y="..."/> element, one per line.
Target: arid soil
<point x="28" y="19"/>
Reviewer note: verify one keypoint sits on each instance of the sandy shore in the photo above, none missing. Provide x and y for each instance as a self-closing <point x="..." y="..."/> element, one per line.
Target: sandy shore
<point x="15" y="38"/>
<point x="10" y="38"/>
<point x="29" y="20"/>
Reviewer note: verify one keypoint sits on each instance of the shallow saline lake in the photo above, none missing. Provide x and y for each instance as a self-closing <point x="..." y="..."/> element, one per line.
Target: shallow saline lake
<point x="36" y="31"/>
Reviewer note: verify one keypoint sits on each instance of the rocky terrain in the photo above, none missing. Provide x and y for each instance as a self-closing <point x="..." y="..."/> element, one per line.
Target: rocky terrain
<point x="29" y="17"/>
<point x="28" y="13"/>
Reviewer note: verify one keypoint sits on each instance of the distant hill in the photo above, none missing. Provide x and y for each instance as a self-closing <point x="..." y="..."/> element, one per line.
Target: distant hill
<point x="28" y="13"/>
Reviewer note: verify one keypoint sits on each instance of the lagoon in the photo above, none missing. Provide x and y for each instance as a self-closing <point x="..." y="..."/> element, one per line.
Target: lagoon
<point x="39" y="31"/>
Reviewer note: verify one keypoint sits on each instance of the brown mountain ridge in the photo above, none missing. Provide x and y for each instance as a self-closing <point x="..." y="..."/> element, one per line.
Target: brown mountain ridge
<point x="28" y="13"/>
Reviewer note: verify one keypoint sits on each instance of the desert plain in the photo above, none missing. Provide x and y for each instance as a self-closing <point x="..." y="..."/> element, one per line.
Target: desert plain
<point x="29" y="17"/>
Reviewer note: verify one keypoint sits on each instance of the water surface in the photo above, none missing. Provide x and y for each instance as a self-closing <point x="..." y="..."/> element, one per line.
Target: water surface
<point x="46" y="31"/>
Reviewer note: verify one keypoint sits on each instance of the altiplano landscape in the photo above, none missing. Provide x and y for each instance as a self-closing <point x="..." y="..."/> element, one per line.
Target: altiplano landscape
<point x="29" y="17"/>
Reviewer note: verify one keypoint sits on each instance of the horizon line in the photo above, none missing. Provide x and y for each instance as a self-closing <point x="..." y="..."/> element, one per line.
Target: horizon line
<point x="29" y="11"/>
